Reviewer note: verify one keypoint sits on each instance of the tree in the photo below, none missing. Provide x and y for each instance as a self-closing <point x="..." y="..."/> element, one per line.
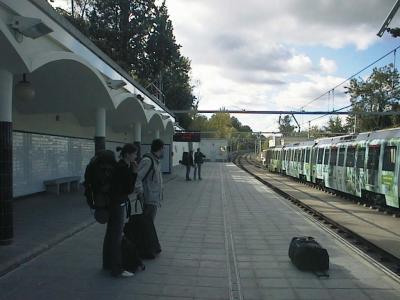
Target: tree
<point x="285" y="126"/>
<point x="121" y="28"/>
<point x="378" y="93"/>
<point x="139" y="36"/>
<point x="162" y="49"/>
<point x="316" y="132"/>
<point x="221" y="123"/>
<point x="335" y="125"/>
<point x="199" y="123"/>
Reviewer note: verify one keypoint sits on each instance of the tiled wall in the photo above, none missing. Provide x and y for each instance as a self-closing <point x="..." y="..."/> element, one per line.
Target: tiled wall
<point x="37" y="158"/>
<point x="40" y="157"/>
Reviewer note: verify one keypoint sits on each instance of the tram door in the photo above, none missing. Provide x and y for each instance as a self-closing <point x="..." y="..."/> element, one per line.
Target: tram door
<point x="350" y="180"/>
<point x="360" y="167"/>
<point x="373" y="155"/>
<point x="340" y="170"/>
<point x="389" y="177"/>
<point x="332" y="168"/>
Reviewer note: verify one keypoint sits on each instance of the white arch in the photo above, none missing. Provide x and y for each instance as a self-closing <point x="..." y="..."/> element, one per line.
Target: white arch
<point x="51" y="57"/>
<point x="12" y="57"/>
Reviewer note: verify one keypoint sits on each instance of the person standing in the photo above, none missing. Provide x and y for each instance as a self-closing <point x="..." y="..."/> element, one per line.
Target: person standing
<point x="189" y="163"/>
<point x="122" y="184"/>
<point x="198" y="161"/>
<point x="149" y="183"/>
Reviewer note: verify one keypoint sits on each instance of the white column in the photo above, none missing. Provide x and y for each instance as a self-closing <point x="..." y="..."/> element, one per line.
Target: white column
<point x="100" y="122"/>
<point x="137" y="133"/>
<point x="157" y="134"/>
<point x="6" y="87"/>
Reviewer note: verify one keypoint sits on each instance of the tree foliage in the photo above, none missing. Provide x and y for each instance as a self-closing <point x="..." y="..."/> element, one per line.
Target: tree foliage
<point x="139" y="36"/>
<point x="378" y="93"/>
<point x="285" y="125"/>
<point x="223" y="125"/>
<point x="335" y="125"/>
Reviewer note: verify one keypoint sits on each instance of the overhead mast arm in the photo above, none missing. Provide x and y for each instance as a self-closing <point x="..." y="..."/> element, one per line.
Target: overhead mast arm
<point x="389" y="18"/>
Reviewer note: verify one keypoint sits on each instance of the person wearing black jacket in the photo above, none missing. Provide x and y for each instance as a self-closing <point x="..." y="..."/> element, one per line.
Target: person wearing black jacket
<point x="198" y="161"/>
<point x="189" y="163"/>
<point x="122" y="184"/>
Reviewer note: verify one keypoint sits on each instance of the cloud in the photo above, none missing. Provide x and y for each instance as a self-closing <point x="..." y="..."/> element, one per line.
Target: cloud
<point x="327" y="65"/>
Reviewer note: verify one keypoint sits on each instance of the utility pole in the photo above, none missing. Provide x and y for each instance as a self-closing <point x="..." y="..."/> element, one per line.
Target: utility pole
<point x="309" y="127"/>
<point x="355" y="123"/>
<point x="72" y="8"/>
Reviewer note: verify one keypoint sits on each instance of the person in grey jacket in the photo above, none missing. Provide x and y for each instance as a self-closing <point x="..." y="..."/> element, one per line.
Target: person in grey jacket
<point x="149" y="179"/>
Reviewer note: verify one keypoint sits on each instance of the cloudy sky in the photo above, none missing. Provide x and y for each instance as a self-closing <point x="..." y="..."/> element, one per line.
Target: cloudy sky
<point x="278" y="55"/>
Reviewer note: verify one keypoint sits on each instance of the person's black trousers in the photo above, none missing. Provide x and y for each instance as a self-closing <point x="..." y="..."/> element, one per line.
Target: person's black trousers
<point x="112" y="240"/>
<point x="187" y="172"/>
<point x="197" y="169"/>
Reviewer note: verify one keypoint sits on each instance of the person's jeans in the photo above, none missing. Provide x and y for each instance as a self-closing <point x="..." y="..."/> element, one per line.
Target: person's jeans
<point x="112" y="240"/>
<point x="150" y="210"/>
<point x="187" y="172"/>
<point x="197" y="169"/>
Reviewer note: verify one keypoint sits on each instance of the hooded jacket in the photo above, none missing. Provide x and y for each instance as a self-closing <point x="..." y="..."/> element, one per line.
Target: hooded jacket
<point x="151" y="185"/>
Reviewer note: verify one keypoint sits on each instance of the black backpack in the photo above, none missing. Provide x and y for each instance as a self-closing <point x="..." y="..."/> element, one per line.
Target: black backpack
<point x="98" y="176"/>
<point x="308" y="255"/>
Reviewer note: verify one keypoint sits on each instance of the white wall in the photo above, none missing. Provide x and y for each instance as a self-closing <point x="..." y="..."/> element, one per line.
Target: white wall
<point x="211" y="148"/>
<point x="178" y="148"/>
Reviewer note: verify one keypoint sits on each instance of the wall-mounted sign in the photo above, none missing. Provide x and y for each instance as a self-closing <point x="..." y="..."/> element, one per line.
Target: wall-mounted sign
<point x="187" y="137"/>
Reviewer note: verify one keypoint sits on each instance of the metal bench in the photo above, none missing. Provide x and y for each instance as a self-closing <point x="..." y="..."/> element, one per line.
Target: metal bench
<point x="64" y="184"/>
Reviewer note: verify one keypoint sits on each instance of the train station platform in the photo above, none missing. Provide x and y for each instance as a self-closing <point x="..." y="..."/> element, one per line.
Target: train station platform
<point x="225" y="237"/>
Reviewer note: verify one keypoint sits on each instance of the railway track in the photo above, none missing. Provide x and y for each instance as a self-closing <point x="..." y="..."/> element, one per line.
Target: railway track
<point x="376" y="234"/>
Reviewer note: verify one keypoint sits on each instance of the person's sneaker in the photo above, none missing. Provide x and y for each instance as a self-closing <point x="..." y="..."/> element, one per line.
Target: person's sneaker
<point x="126" y="274"/>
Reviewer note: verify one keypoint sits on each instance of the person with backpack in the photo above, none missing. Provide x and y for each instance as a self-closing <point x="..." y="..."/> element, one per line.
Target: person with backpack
<point x="122" y="184"/>
<point x="198" y="161"/>
<point x="149" y="183"/>
<point x="187" y="161"/>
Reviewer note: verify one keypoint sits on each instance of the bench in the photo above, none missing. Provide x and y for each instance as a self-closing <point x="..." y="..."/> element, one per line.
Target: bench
<point x="64" y="184"/>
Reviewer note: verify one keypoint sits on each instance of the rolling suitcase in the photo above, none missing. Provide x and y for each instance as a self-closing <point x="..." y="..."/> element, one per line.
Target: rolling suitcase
<point x="308" y="255"/>
<point x="141" y="231"/>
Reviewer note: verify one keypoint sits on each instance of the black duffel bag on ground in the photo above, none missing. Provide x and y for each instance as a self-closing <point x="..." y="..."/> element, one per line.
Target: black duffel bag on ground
<point x="141" y="231"/>
<point x="308" y="255"/>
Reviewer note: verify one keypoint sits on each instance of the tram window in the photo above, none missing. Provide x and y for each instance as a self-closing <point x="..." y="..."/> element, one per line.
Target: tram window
<point x="373" y="157"/>
<point x="320" y="156"/>
<point x="351" y="155"/>
<point x="389" y="158"/>
<point x="341" y="157"/>
<point x="360" y="157"/>
<point x="302" y="155"/>
<point x="308" y="152"/>
<point x="332" y="160"/>
<point x="326" y="156"/>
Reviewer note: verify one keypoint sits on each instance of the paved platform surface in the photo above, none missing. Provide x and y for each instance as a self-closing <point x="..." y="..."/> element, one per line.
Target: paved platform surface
<point x="225" y="237"/>
<point x="44" y="219"/>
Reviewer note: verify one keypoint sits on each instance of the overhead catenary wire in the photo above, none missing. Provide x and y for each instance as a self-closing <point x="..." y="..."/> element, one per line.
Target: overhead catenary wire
<point x="351" y="77"/>
<point x="394" y="51"/>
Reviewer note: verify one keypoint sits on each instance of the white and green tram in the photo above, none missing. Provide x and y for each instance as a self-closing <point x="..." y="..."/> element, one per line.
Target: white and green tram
<point x="364" y="165"/>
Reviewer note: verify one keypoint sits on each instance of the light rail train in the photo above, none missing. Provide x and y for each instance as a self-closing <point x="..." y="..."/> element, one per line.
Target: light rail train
<point x="364" y="165"/>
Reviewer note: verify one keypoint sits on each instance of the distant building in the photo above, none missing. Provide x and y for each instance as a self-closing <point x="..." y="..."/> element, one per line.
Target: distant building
<point x="214" y="149"/>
